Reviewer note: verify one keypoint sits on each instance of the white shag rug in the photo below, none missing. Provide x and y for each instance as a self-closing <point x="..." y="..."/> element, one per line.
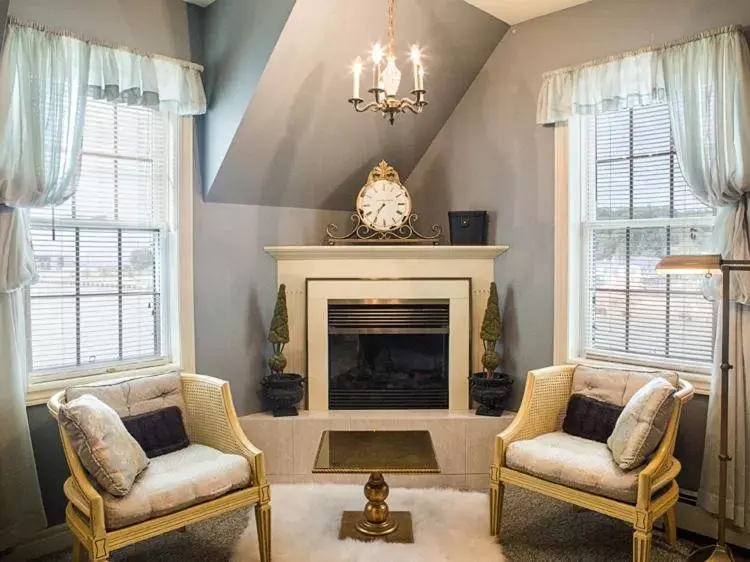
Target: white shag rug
<point x="449" y="526"/>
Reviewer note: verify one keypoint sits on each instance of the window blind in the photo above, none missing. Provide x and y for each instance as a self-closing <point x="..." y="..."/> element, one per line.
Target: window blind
<point x="100" y="297"/>
<point x="637" y="209"/>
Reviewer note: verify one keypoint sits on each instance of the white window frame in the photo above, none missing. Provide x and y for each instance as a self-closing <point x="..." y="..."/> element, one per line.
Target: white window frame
<point x="568" y="316"/>
<point x="178" y="264"/>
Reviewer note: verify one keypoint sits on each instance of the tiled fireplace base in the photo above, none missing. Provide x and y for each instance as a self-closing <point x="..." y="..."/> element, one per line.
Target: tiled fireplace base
<point x="463" y="442"/>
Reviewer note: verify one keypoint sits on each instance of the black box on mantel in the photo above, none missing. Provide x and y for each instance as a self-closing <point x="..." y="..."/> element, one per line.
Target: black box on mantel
<point x="468" y="228"/>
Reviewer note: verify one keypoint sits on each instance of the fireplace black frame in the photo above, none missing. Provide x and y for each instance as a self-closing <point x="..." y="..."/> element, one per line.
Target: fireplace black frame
<point x="367" y="332"/>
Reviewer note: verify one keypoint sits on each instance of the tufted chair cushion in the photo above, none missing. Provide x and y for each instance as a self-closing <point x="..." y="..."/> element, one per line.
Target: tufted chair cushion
<point x="615" y="386"/>
<point x="135" y="396"/>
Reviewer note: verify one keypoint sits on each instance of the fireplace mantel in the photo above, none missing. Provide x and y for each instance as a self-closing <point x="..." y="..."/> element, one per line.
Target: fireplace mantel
<point x="385" y="252"/>
<point x="313" y="275"/>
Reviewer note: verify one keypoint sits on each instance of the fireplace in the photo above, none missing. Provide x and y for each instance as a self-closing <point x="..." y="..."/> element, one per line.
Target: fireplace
<point x="388" y="354"/>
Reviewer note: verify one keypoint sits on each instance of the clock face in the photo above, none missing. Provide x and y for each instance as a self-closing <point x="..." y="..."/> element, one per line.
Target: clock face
<point x="383" y="205"/>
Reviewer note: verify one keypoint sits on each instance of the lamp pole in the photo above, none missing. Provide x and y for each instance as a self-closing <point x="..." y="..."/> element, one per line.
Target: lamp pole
<point x="721" y="551"/>
<point x="687" y="264"/>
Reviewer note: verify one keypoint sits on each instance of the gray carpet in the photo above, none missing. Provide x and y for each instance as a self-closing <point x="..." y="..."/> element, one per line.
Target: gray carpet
<point x="535" y="528"/>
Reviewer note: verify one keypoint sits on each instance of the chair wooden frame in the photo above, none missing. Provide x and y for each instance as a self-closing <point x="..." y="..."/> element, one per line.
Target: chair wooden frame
<point x="211" y="420"/>
<point x="542" y="411"/>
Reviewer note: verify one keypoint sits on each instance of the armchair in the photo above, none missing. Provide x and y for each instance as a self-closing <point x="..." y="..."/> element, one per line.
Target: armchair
<point x="639" y="497"/>
<point x="211" y="422"/>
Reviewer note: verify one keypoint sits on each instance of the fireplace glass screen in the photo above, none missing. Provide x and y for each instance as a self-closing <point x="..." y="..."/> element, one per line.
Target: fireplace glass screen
<point x="385" y="355"/>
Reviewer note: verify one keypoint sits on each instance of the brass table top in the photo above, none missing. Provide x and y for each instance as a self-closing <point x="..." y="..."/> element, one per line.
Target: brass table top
<point x="406" y="452"/>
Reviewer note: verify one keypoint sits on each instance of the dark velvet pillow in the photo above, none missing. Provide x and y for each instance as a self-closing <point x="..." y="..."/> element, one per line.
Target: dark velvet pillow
<point x="590" y="418"/>
<point x="158" y="432"/>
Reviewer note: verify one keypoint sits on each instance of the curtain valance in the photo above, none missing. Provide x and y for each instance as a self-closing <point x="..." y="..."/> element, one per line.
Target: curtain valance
<point x="121" y="75"/>
<point x="629" y="80"/>
<point x="125" y="77"/>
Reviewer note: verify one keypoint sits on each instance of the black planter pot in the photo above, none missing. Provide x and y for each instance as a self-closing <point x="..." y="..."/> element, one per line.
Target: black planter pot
<point x="490" y="393"/>
<point x="282" y="392"/>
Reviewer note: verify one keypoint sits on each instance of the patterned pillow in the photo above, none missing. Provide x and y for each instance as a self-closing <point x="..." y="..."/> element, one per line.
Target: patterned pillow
<point x="106" y="449"/>
<point x="642" y="424"/>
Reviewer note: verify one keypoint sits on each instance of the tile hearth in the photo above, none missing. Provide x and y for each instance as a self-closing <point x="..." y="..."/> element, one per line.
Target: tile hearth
<point x="463" y="442"/>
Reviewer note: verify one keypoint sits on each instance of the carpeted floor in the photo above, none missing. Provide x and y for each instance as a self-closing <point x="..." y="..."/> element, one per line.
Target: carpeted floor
<point x="449" y="527"/>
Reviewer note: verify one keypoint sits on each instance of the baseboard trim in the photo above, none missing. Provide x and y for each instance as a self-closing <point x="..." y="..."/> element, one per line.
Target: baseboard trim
<point x="50" y="540"/>
<point x="692" y="518"/>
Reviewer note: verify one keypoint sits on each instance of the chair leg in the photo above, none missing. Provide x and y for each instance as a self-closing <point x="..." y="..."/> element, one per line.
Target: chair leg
<point x="497" y="490"/>
<point x="79" y="553"/>
<point x="670" y="527"/>
<point x="263" y="524"/>
<point x="642" y="546"/>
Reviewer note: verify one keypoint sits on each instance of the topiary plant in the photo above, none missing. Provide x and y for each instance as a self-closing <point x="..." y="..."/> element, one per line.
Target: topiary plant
<point x="491" y="332"/>
<point x="278" y="334"/>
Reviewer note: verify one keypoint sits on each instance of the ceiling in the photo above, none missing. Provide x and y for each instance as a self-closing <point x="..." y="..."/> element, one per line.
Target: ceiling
<point x="516" y="11"/>
<point x="510" y="11"/>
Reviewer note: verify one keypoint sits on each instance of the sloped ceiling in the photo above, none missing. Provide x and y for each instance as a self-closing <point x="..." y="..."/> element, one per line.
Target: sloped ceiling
<point x="289" y="138"/>
<point x="517" y="11"/>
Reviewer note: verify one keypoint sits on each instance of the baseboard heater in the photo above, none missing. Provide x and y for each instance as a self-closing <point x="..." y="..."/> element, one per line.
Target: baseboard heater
<point x="692" y="518"/>
<point x="688" y="497"/>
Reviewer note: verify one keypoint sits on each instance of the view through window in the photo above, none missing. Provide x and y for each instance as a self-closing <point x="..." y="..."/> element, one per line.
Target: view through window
<point x="100" y="298"/>
<point x="636" y="209"/>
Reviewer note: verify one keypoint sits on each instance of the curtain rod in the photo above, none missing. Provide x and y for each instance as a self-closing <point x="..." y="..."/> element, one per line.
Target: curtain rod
<point x="650" y="48"/>
<point x="94" y="41"/>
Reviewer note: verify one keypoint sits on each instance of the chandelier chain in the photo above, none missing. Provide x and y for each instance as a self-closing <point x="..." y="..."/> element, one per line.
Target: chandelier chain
<point x="391" y="32"/>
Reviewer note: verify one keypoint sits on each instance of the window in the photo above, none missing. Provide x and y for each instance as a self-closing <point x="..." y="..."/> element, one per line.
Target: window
<point x="633" y="208"/>
<point x="102" y="302"/>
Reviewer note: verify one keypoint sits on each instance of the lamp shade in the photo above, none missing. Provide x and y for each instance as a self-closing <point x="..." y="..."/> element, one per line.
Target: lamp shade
<point x="690" y="265"/>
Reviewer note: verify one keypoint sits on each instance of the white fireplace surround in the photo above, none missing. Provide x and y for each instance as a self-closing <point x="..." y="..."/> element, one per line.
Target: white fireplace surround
<point x="314" y="275"/>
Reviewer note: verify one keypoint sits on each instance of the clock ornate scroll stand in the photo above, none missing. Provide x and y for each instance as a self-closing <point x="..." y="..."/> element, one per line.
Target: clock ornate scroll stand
<point x="383" y="214"/>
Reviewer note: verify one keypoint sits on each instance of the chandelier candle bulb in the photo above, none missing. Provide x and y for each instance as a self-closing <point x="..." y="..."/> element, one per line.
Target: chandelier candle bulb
<point x="377" y="58"/>
<point x="357" y="72"/>
<point x="415" y="58"/>
<point x="420" y="78"/>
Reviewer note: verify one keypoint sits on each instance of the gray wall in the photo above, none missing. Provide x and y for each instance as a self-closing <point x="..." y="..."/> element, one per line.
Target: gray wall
<point x="153" y="26"/>
<point x="235" y="286"/>
<point x="238" y="39"/>
<point x="300" y="144"/>
<point x="491" y="155"/>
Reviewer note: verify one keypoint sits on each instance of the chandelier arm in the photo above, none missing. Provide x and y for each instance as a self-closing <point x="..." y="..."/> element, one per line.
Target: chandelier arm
<point x="411" y="108"/>
<point x="359" y="108"/>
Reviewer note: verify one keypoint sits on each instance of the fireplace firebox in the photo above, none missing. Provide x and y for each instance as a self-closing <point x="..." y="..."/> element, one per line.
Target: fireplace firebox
<point x="388" y="354"/>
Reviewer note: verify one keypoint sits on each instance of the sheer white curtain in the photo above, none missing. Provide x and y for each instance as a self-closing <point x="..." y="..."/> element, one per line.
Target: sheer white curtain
<point x="705" y="80"/>
<point x="43" y="84"/>
<point x="45" y="78"/>
<point x="708" y="90"/>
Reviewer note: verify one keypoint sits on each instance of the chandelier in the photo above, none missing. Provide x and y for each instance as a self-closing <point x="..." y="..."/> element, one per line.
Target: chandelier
<point x="386" y="80"/>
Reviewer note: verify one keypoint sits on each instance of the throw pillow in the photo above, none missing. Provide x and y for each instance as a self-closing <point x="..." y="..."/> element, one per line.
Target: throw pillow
<point x="106" y="449"/>
<point x="158" y="432"/>
<point x="590" y="418"/>
<point x="642" y="424"/>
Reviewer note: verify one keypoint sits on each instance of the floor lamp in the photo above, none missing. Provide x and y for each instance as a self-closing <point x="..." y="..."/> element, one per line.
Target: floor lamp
<point x="707" y="265"/>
